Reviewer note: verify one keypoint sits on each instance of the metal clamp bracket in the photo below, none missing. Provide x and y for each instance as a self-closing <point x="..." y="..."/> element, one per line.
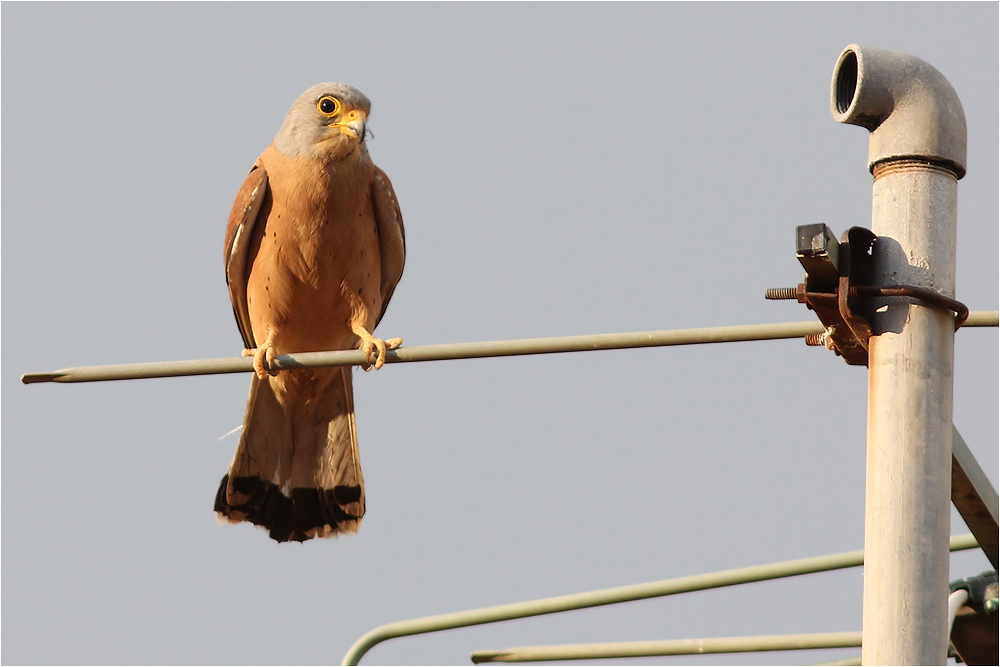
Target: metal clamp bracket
<point x="838" y="288"/>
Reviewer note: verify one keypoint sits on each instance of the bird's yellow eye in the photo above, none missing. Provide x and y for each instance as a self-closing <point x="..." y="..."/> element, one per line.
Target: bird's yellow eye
<point x="328" y="106"/>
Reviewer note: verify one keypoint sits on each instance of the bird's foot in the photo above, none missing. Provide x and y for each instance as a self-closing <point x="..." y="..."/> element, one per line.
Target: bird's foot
<point x="375" y="346"/>
<point x="263" y="358"/>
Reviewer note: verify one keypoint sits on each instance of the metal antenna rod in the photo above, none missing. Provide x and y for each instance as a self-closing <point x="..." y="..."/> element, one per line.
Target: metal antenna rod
<point x="599" y="598"/>
<point x="500" y="348"/>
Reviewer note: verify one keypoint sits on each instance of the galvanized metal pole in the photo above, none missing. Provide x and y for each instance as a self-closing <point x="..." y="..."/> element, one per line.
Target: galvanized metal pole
<point x="917" y="155"/>
<point x="908" y="484"/>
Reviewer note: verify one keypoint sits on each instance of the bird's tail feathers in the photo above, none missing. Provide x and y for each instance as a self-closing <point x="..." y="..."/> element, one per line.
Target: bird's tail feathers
<point x="296" y="471"/>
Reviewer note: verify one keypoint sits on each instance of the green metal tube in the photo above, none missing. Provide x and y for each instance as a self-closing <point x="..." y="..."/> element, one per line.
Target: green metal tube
<point x="983" y="318"/>
<point x="607" y="596"/>
<point x="671" y="647"/>
<point x="502" y="348"/>
<point x="856" y="660"/>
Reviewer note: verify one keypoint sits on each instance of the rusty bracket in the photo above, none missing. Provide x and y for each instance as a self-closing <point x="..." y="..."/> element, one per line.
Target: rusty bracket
<point x="838" y="289"/>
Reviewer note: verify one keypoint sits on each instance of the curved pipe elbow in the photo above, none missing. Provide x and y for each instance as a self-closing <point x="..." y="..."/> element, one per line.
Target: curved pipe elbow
<point x="908" y="106"/>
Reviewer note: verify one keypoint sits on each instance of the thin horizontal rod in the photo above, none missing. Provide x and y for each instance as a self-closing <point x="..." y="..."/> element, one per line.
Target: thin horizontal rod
<point x="608" y="596"/>
<point x="671" y="647"/>
<point x="983" y="318"/>
<point x="502" y="348"/>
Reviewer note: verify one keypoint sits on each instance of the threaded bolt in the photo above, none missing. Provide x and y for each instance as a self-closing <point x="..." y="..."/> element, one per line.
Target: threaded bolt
<point x="815" y="340"/>
<point x="780" y="293"/>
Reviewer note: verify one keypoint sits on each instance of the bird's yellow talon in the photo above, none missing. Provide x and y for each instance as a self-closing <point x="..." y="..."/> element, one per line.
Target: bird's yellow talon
<point x="263" y="358"/>
<point x="375" y="346"/>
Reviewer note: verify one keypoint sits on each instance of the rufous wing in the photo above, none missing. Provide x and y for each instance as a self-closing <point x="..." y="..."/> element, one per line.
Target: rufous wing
<point x="248" y="210"/>
<point x="391" y="236"/>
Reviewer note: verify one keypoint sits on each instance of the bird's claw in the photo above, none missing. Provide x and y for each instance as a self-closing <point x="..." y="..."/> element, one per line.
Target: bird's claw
<point x="371" y="345"/>
<point x="263" y="359"/>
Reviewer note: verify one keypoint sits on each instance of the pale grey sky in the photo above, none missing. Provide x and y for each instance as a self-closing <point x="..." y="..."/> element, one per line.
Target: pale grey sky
<point x="562" y="169"/>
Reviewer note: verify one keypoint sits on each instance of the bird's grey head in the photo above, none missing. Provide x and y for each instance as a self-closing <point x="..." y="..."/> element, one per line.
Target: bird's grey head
<point x="328" y="120"/>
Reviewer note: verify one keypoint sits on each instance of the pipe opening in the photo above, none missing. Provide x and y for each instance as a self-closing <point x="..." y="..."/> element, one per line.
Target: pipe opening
<point x="847" y="81"/>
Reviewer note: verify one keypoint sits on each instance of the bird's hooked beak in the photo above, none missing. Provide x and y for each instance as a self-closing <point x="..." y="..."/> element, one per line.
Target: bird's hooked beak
<point x="353" y="124"/>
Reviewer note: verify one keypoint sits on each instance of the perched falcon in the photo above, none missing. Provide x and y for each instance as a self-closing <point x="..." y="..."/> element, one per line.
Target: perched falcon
<point x="314" y="250"/>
